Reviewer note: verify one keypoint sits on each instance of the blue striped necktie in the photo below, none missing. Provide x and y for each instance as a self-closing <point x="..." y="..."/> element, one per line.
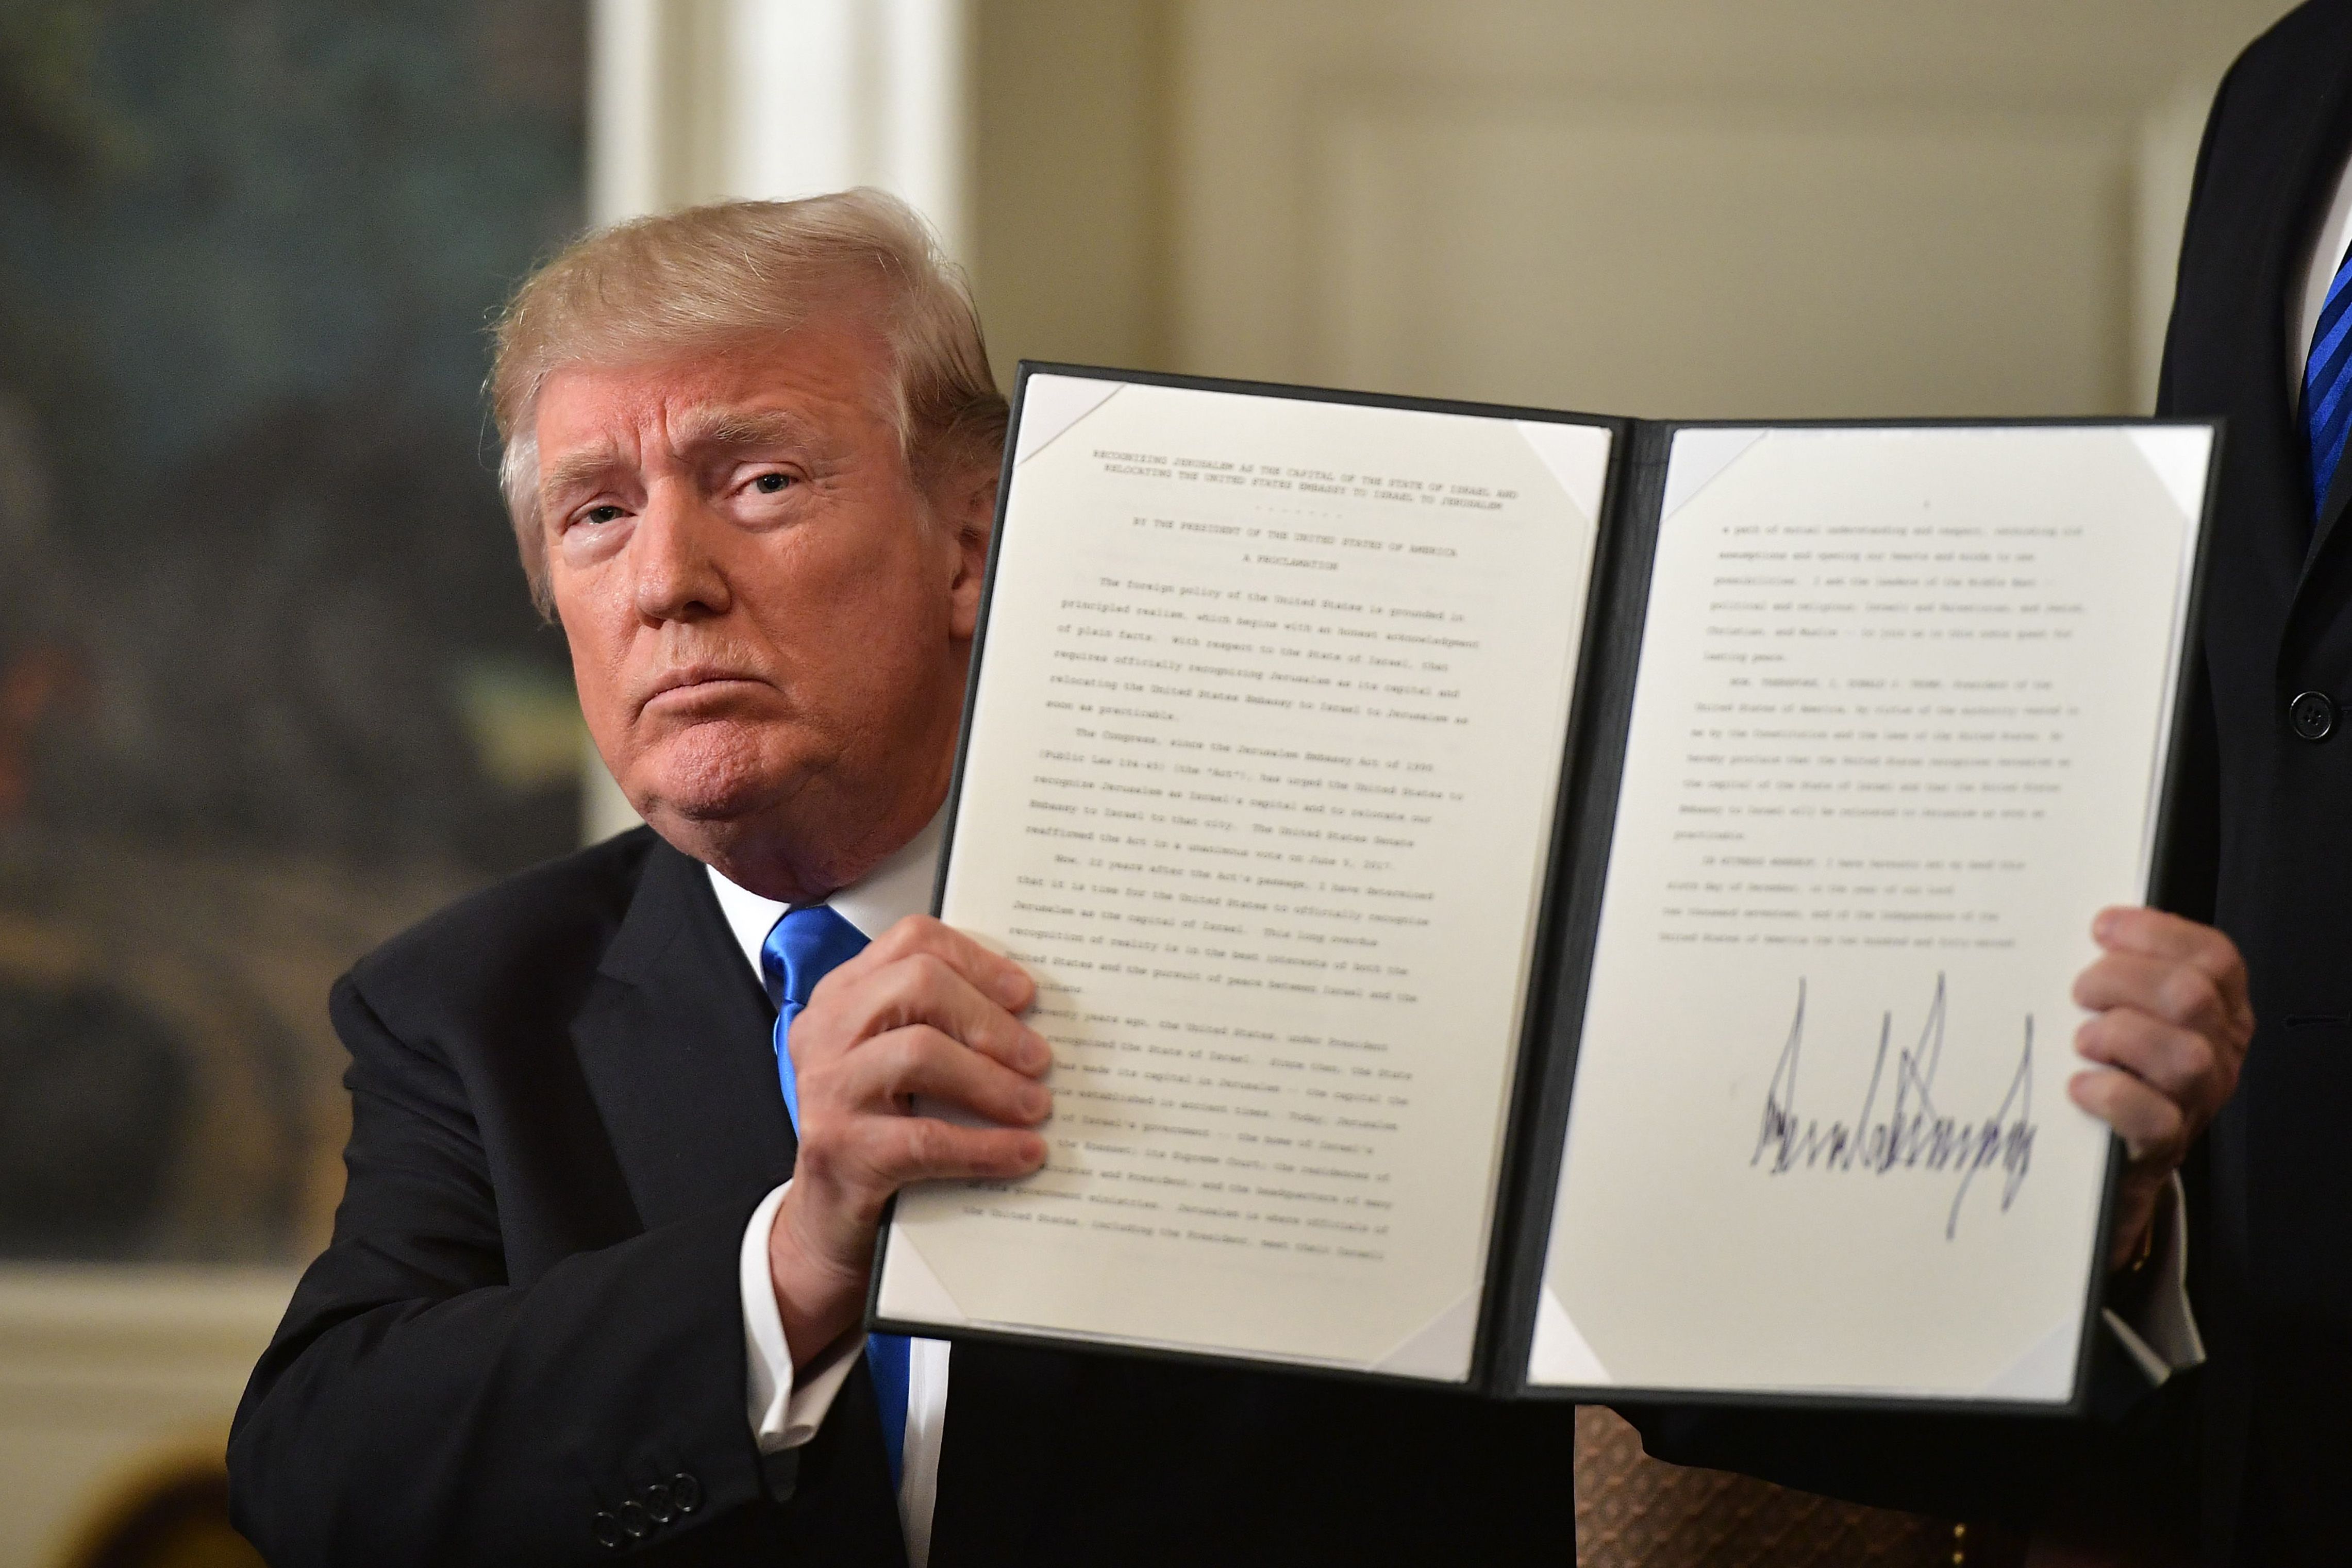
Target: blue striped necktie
<point x="2328" y="385"/>
<point x="804" y="947"/>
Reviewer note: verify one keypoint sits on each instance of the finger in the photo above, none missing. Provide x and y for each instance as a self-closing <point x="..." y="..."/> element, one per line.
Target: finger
<point x="903" y="1149"/>
<point x="2151" y="1125"/>
<point x="996" y="977"/>
<point x="923" y="988"/>
<point x="2155" y="934"/>
<point x="2180" y="1064"/>
<point x="885" y="1070"/>
<point x="2177" y="993"/>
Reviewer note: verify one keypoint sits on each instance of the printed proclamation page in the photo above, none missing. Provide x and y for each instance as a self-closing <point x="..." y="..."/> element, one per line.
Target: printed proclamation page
<point x="1259" y="784"/>
<point x="1898" y="735"/>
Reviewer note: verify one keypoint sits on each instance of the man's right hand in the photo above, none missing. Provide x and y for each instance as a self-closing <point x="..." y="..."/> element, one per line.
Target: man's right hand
<point x="924" y="1010"/>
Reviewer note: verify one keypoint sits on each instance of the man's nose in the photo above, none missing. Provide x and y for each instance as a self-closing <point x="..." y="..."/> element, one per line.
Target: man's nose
<point x="677" y="575"/>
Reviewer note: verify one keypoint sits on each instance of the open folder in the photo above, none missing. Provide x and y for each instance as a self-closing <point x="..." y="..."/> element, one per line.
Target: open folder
<point x="1560" y="905"/>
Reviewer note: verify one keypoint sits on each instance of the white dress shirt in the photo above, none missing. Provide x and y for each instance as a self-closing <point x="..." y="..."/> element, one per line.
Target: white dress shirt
<point x="786" y="1411"/>
<point x="2164" y="1340"/>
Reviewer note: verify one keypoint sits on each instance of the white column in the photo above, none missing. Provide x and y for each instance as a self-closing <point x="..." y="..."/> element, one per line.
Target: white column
<point x="700" y="100"/>
<point x="625" y="107"/>
<point x="821" y="94"/>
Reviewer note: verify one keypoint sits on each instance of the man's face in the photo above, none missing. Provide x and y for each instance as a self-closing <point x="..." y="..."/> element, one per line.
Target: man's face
<point x="769" y="621"/>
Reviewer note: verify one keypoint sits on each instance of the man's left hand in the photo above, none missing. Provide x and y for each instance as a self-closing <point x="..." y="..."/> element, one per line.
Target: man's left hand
<point x="2170" y="1034"/>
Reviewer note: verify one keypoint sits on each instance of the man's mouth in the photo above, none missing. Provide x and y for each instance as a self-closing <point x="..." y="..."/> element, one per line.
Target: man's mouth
<point x="691" y="681"/>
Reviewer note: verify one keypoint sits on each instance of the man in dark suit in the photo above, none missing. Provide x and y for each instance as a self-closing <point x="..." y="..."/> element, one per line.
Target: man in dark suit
<point x="2245" y="1463"/>
<point x="2259" y="338"/>
<point x="573" y="1308"/>
<point x="596" y="1282"/>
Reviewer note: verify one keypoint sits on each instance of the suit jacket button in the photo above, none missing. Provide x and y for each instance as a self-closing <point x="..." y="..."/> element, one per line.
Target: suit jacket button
<point x="2312" y="716"/>
<point x="634" y="1519"/>
<point x="659" y="1505"/>
<point x="684" y="1493"/>
<point x="607" y="1530"/>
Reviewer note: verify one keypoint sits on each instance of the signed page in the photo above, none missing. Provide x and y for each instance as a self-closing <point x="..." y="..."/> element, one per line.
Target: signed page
<point x="1259" y="784"/>
<point x="1898" y="733"/>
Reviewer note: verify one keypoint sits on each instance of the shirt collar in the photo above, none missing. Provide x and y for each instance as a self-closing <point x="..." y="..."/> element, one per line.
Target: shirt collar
<point x="899" y="886"/>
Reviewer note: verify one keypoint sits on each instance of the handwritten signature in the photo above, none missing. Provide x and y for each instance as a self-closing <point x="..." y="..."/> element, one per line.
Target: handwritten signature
<point x="1911" y="1134"/>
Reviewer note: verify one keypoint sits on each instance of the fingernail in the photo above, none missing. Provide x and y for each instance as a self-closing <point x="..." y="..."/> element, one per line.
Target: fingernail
<point x="1037" y="1103"/>
<point x="1034" y="1151"/>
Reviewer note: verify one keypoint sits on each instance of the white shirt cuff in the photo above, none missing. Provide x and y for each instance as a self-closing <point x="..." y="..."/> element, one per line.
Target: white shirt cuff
<point x="2163" y="1338"/>
<point x="785" y="1411"/>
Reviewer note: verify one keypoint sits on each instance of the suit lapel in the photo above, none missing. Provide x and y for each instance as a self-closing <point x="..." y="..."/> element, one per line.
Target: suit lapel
<point x="2331" y="512"/>
<point x="675" y="1041"/>
<point x="2325" y="139"/>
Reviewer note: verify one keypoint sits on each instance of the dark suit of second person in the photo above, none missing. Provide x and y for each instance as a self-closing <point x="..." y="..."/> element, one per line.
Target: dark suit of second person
<point x="2271" y="863"/>
<point x="2243" y="1464"/>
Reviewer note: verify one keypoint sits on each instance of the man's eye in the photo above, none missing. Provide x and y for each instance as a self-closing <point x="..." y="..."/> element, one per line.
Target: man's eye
<point x="772" y="484"/>
<point x="602" y="514"/>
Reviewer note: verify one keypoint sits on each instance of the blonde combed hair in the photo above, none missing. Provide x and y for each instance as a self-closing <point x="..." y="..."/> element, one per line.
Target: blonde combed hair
<point x="709" y="278"/>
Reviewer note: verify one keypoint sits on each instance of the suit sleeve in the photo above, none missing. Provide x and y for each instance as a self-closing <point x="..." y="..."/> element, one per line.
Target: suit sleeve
<point x="417" y="1407"/>
<point x="2165" y="382"/>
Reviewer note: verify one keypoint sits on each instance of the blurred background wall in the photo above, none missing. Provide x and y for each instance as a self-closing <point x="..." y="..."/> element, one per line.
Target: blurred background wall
<point x="268" y="685"/>
<point x="269" y="690"/>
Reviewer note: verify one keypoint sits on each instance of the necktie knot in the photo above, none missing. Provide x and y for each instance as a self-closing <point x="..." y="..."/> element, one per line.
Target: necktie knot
<point x="809" y="943"/>
<point x="801" y="949"/>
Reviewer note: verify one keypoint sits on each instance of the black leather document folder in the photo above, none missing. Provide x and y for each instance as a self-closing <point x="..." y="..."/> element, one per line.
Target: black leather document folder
<point x="1557" y="905"/>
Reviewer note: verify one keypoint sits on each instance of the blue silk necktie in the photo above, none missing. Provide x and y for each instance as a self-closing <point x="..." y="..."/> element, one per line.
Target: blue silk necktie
<point x="2328" y="385"/>
<point x="804" y="947"/>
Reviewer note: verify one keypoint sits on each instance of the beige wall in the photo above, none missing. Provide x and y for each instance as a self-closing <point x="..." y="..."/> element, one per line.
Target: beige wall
<point x="1072" y="249"/>
<point x="1660" y="206"/>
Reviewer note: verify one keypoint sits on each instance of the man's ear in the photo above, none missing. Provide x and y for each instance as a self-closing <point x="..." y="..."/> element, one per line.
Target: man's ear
<point x="971" y="512"/>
